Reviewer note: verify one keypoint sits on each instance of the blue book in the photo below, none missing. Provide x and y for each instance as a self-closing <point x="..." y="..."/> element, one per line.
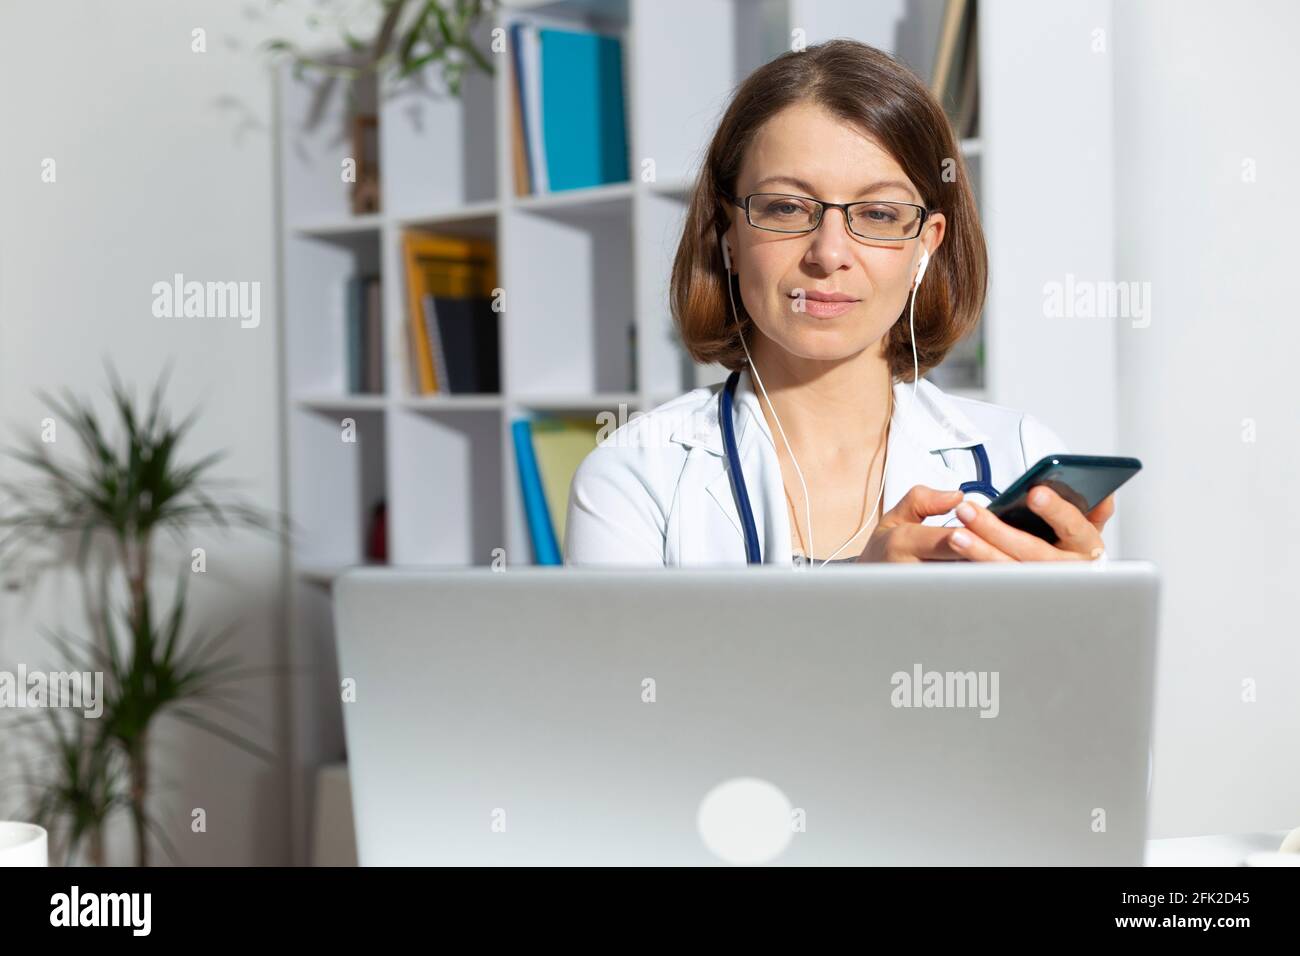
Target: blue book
<point x="546" y="550"/>
<point x="582" y="109"/>
<point x="356" y="344"/>
<point x="521" y="81"/>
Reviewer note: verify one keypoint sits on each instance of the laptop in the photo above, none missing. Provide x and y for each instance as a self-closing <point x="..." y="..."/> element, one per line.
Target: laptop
<point x="926" y="714"/>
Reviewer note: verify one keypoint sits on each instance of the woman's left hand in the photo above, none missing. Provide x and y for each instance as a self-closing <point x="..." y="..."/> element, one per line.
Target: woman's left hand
<point x="987" y="538"/>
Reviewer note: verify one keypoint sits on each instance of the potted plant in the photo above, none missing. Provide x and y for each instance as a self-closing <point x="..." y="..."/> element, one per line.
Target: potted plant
<point x="125" y="489"/>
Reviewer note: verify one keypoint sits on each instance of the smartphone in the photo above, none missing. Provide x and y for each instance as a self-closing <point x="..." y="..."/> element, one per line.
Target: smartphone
<point x="1082" y="480"/>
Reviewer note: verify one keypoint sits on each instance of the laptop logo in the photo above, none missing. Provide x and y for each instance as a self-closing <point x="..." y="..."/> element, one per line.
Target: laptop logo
<point x="747" y="821"/>
<point x="976" y="690"/>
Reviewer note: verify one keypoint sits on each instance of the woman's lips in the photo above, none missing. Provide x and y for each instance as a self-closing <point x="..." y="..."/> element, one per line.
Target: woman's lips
<point x="827" y="310"/>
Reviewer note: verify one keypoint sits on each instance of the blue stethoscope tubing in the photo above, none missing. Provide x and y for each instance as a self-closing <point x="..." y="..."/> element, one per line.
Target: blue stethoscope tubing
<point x="982" y="485"/>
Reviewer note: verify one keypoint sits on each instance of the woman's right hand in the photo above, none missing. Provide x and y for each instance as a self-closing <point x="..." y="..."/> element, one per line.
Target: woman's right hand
<point x="900" y="536"/>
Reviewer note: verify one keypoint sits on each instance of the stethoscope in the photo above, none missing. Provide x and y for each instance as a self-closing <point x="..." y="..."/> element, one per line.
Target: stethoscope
<point x="982" y="485"/>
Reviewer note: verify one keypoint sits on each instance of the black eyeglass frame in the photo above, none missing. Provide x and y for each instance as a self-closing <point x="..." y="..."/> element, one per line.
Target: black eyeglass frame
<point x="843" y="207"/>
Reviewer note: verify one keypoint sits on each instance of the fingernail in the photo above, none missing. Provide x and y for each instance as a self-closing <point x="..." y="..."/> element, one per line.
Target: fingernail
<point x="1038" y="496"/>
<point x="965" y="512"/>
<point x="960" y="539"/>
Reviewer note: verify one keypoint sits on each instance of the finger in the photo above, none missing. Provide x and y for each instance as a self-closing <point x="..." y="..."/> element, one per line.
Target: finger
<point x="1073" y="531"/>
<point x="1020" y="545"/>
<point x="1104" y="511"/>
<point x="918" y="504"/>
<point x="926" y="543"/>
<point x="974" y="548"/>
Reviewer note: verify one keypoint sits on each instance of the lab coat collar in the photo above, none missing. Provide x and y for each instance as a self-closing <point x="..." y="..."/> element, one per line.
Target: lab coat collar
<point x="934" y="424"/>
<point x="919" y="432"/>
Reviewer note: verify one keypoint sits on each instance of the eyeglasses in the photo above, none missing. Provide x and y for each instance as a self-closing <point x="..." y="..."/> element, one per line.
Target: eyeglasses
<point x="778" y="212"/>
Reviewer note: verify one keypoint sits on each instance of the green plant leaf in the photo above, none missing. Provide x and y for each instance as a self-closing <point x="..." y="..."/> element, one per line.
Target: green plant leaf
<point x="216" y="730"/>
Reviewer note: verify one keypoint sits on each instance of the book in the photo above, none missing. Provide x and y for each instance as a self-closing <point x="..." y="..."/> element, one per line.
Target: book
<point x="570" y="129"/>
<point x="412" y="363"/>
<point x="467" y="334"/>
<point x="363" y="335"/>
<point x="354" y="332"/>
<point x="541" y="532"/>
<point x="560" y="443"/>
<point x="438" y="346"/>
<point x="519" y="157"/>
<point x="455" y="331"/>
<point x="534" y="115"/>
<point x="374" y="350"/>
<point x="422" y="347"/>
<point x="582" y="109"/>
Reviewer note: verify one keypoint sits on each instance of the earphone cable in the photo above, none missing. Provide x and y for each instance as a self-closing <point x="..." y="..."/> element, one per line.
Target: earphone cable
<point x="806" y="500"/>
<point x="916" y="366"/>
<point x="911" y="327"/>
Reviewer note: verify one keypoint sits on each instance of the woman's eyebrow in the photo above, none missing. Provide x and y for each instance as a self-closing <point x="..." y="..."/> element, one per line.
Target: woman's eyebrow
<point x="866" y="190"/>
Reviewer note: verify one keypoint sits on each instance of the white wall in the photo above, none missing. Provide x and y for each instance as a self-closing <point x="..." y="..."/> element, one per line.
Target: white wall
<point x="1046" y="125"/>
<point x="1200" y="89"/>
<point x="164" y="165"/>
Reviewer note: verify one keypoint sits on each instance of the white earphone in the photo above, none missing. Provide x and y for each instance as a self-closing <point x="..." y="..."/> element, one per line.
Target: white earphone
<point x="911" y="322"/>
<point x="911" y="325"/>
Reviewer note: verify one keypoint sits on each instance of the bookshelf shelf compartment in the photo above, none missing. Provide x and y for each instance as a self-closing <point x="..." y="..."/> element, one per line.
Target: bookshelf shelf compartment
<point x="433" y="143"/>
<point x="316" y="303"/>
<point x="448" y="468"/>
<point x="569" y="309"/>
<point x="316" y="142"/>
<point x="339" y="479"/>
<point x="663" y="366"/>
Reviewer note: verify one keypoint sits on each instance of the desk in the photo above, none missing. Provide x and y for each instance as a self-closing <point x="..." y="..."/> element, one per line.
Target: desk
<point x="1228" y="850"/>
<point x="334" y="844"/>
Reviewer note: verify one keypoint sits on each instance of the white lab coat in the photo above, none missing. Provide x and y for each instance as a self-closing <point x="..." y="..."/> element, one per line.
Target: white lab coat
<point x="656" y="492"/>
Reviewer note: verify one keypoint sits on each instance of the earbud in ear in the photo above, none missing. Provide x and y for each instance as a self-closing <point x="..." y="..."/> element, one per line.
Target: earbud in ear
<point x="920" y="269"/>
<point x="726" y="253"/>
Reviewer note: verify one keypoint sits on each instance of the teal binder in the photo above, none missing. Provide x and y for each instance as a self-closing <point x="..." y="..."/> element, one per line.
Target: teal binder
<point x="583" y="126"/>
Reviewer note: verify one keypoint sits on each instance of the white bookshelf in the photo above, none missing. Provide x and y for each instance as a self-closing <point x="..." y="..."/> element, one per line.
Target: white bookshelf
<point x="579" y="269"/>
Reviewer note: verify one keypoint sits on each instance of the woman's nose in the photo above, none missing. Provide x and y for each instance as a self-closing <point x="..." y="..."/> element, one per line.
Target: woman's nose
<point x="831" y="245"/>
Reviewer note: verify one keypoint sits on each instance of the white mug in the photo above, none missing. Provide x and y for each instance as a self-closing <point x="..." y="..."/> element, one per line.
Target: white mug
<point x="23" y="844"/>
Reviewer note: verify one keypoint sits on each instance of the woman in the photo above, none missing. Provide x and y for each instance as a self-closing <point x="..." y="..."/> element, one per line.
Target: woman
<point x="832" y="253"/>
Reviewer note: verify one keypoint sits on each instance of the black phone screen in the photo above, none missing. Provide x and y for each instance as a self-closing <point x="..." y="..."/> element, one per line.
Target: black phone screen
<point x="1082" y="480"/>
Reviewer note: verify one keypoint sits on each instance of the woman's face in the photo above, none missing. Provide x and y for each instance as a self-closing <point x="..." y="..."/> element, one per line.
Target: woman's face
<point x="805" y="151"/>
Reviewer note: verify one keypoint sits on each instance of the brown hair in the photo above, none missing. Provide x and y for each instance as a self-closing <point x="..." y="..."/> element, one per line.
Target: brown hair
<point x="872" y="90"/>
